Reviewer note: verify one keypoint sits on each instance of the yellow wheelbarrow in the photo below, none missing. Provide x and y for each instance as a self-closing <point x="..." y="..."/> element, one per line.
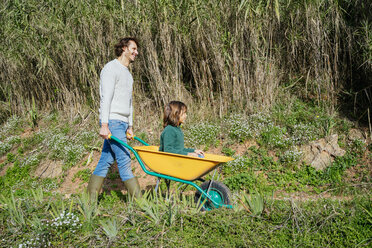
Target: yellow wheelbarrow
<point x="184" y="169"/>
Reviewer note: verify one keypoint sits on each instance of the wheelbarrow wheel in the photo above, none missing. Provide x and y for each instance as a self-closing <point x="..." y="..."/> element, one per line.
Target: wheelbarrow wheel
<point x="217" y="191"/>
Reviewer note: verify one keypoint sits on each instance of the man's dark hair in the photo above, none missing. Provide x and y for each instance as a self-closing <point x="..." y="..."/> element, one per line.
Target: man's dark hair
<point x="124" y="42"/>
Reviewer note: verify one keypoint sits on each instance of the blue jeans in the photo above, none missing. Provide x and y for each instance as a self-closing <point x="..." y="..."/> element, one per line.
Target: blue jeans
<point x="113" y="150"/>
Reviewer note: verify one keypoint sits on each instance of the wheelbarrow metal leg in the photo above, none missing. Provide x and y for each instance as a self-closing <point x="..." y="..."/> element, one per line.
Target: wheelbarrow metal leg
<point x="157" y="184"/>
<point x="167" y="182"/>
<point x="211" y="182"/>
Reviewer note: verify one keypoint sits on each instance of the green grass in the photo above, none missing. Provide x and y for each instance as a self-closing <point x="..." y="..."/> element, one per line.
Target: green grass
<point x="30" y="206"/>
<point x="151" y="222"/>
<point x="83" y="175"/>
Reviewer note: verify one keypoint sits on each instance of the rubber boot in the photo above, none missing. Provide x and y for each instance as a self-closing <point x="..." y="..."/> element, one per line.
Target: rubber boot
<point x="133" y="187"/>
<point x="94" y="186"/>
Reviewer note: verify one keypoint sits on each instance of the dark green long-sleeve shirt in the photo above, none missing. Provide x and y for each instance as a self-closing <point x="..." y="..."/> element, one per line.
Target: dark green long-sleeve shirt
<point x="171" y="140"/>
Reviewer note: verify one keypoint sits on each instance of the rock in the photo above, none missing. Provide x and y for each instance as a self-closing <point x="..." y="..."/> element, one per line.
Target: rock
<point x="356" y="134"/>
<point x="321" y="161"/>
<point x="51" y="169"/>
<point x="319" y="154"/>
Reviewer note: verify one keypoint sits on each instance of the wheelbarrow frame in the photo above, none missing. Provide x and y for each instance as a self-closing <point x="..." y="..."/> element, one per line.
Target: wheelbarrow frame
<point x="206" y="194"/>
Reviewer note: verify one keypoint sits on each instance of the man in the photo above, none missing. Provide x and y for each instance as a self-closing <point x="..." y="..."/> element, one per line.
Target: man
<point x="116" y="117"/>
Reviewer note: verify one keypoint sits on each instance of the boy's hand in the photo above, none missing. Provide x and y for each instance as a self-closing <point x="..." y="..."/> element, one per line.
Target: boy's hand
<point x="199" y="152"/>
<point x="192" y="154"/>
<point x="196" y="153"/>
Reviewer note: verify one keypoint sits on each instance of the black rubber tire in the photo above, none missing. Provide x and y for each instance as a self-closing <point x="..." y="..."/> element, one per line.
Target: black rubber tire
<point x="217" y="187"/>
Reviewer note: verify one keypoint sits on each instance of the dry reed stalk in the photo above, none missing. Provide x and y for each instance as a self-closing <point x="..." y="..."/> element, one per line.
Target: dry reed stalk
<point x="219" y="54"/>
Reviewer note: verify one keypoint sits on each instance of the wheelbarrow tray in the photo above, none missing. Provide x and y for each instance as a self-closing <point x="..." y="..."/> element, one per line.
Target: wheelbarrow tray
<point x="179" y="166"/>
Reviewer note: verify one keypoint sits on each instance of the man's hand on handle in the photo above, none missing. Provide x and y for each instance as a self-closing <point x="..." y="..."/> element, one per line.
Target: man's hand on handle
<point x="104" y="131"/>
<point x="130" y="134"/>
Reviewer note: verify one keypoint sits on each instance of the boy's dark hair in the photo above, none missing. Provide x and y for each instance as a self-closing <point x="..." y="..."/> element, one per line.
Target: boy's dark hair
<point x="172" y="113"/>
<point x="124" y="42"/>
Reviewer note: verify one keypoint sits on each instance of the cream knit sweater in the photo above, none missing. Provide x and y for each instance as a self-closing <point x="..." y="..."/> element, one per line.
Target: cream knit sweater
<point x="116" y="88"/>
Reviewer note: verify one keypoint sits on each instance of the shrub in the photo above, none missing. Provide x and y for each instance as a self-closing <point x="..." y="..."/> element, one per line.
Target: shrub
<point x="291" y="157"/>
<point x="240" y="127"/>
<point x="201" y="134"/>
<point x="303" y="133"/>
<point x="239" y="164"/>
<point x="35" y="140"/>
<point x="245" y="180"/>
<point x="65" y="222"/>
<point x="258" y="123"/>
<point x="4" y="147"/>
<point x="237" y="127"/>
<point x="49" y="232"/>
<point x="260" y="159"/>
<point x="275" y="137"/>
<point x="12" y="125"/>
<point x="48" y="184"/>
<point x="65" y="148"/>
<point x="86" y="137"/>
<point x="31" y="161"/>
<point x="228" y="151"/>
<point x="335" y="171"/>
<point x="83" y="175"/>
<point x="10" y="157"/>
<point x="8" y="143"/>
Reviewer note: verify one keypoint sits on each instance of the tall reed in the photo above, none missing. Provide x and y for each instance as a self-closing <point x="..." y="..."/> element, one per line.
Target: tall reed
<point x="219" y="54"/>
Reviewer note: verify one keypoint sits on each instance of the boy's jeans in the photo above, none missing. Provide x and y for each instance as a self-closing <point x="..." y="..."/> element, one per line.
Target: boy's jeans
<point x="113" y="150"/>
